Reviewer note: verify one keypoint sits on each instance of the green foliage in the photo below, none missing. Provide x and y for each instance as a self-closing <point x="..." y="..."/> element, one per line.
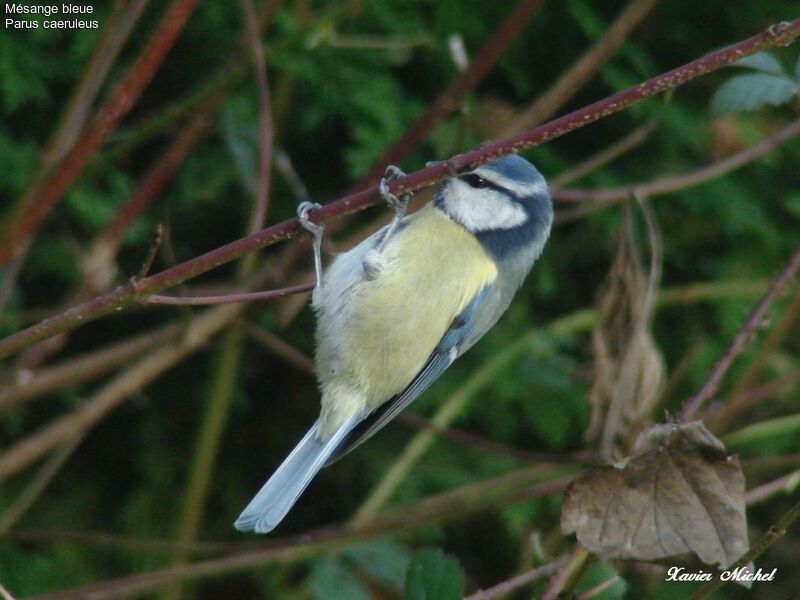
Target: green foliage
<point x="432" y="575"/>
<point x="347" y="79"/>
<point x="330" y="580"/>
<point x="600" y="573"/>
<point x="771" y="85"/>
<point x="384" y="560"/>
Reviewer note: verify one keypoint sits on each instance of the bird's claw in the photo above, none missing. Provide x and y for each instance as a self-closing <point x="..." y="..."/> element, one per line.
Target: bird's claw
<point x="399" y="205"/>
<point x="316" y="233"/>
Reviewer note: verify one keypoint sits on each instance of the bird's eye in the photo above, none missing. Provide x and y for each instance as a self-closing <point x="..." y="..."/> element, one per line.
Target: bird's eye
<point x="475" y="181"/>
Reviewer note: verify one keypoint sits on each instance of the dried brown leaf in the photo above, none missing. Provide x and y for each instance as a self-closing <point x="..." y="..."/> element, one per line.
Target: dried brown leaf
<point x="678" y="492"/>
<point x="628" y="367"/>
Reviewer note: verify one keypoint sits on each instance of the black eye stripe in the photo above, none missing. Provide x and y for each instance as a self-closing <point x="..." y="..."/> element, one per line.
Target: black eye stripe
<point x="477" y="182"/>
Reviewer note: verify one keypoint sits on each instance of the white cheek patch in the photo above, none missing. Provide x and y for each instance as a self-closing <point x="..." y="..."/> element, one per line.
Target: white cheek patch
<point x="482" y="209"/>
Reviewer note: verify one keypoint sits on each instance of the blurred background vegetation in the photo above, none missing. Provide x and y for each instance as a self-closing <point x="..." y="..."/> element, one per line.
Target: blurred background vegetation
<point x="148" y="485"/>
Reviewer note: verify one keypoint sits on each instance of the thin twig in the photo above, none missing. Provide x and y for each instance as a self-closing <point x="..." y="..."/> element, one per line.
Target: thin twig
<point x="98" y="268"/>
<point x="451" y="97"/>
<point x="157" y="176"/>
<point x="580" y="320"/>
<point x="225" y="372"/>
<point x="784" y="327"/>
<point x="27" y="220"/>
<point x="605" y="156"/>
<point x="115" y="33"/>
<point x="219" y="83"/>
<point x="39" y="483"/>
<point x="83" y="367"/>
<point x="265" y="129"/>
<point x="675" y="183"/>
<point x="499" y="491"/>
<point x="305" y="363"/>
<point x="278" y="346"/>
<point x="221" y="387"/>
<point x="740" y="341"/>
<point x="781" y="34"/>
<point x="774" y="533"/>
<point x="121" y="387"/>
<point x="117" y="542"/>
<point x="783" y="485"/>
<point x="482" y="443"/>
<point x="292" y="355"/>
<point x="152" y="251"/>
<point x="516" y="486"/>
<point x="582" y="69"/>
<point x="97" y="363"/>
<point x="567" y="575"/>
<point x="598" y="589"/>
<point x="740" y="400"/>
<point x="139" y="374"/>
<point x="510" y="585"/>
<point x="229" y="298"/>
<point x="454" y="405"/>
<point x="4" y="593"/>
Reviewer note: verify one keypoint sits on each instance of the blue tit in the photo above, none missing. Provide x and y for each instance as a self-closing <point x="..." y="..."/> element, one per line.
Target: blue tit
<point x="394" y="313"/>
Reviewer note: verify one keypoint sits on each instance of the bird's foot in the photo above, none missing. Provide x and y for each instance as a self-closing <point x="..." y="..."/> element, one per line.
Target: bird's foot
<point x="316" y="232"/>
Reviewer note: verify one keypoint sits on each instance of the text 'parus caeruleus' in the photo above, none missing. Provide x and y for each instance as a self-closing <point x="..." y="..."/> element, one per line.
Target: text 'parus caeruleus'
<point x="396" y="310"/>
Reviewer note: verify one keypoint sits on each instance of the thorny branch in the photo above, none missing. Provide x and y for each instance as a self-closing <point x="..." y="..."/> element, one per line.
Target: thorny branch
<point x="776" y="532"/>
<point x="30" y="216"/>
<point x="505" y="489"/>
<point x="740" y="342"/>
<point x="449" y="99"/>
<point x="776" y="35"/>
<point x="672" y="183"/>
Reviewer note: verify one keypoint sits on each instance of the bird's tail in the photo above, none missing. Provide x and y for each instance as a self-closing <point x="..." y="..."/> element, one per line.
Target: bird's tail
<point x="278" y="495"/>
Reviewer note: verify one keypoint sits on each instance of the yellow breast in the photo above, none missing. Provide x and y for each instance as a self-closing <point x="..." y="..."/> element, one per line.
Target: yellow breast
<point x="433" y="269"/>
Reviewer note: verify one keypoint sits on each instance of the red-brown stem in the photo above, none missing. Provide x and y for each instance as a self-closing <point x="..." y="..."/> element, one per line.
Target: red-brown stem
<point x="229" y="298"/>
<point x="740" y="341"/>
<point x="510" y="585"/>
<point x="598" y="589"/>
<point x="450" y="98"/>
<point x="605" y="156"/>
<point x="582" y="69"/>
<point x="441" y="507"/>
<point x="29" y="217"/>
<point x="159" y="174"/>
<point x="259" y="213"/>
<point x="781" y="34"/>
<point x="742" y="399"/>
<point x="786" y="485"/>
<point x="672" y="183"/>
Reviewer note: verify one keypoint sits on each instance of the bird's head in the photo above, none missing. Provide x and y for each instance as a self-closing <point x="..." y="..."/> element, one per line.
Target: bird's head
<point x="505" y="204"/>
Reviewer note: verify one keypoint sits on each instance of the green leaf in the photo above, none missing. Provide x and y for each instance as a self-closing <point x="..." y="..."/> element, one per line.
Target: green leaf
<point x="600" y="573"/>
<point x="797" y="68"/>
<point x="432" y="575"/>
<point x="792" y="204"/>
<point x="384" y="560"/>
<point x="241" y="138"/>
<point x="751" y="92"/>
<point x="761" y="61"/>
<point x="331" y="580"/>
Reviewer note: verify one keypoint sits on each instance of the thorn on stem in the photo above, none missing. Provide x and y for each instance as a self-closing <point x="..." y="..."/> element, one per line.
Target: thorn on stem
<point x="776" y="29"/>
<point x="155" y="244"/>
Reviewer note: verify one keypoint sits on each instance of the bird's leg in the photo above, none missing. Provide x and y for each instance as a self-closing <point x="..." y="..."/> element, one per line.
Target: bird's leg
<point x="316" y="233"/>
<point x="398" y="205"/>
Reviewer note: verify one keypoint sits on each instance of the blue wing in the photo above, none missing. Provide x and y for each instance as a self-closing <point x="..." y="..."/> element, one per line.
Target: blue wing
<point x="442" y="357"/>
